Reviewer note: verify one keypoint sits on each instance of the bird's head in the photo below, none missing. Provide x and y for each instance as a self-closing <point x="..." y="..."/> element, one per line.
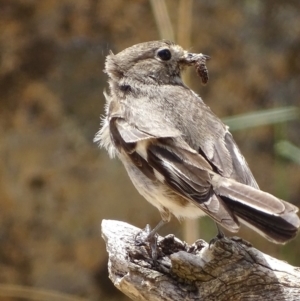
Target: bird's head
<point x="155" y="62"/>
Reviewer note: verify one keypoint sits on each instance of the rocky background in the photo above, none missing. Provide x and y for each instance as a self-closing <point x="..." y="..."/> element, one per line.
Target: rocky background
<point x="56" y="185"/>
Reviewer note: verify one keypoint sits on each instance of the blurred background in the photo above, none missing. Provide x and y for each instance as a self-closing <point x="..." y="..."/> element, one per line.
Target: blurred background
<point x="56" y="185"/>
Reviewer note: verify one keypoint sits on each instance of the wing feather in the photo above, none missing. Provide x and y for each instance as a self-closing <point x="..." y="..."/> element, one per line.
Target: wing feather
<point x="191" y="182"/>
<point x="164" y="113"/>
<point x="184" y="171"/>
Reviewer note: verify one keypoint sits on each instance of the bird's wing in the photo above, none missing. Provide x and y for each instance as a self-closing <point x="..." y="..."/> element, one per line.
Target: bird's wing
<point x="174" y="163"/>
<point x="171" y="161"/>
<point x="222" y="151"/>
<point x="177" y="111"/>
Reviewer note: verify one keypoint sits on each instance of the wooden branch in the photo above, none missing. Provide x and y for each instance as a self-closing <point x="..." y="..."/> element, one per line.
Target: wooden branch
<point x="230" y="269"/>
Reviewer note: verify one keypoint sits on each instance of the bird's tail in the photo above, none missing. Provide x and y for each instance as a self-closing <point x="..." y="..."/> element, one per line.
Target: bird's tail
<point x="273" y="218"/>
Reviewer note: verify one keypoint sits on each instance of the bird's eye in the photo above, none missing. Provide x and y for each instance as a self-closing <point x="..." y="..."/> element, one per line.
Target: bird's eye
<point x="164" y="54"/>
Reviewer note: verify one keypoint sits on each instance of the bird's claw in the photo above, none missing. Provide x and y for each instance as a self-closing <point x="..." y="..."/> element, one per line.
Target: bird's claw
<point x="147" y="237"/>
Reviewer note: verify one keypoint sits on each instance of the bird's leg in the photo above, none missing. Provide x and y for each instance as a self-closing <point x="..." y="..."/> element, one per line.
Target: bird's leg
<point x="150" y="236"/>
<point x="219" y="235"/>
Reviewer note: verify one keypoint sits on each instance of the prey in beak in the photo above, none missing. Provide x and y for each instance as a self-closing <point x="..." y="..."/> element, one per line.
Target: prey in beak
<point x="199" y="61"/>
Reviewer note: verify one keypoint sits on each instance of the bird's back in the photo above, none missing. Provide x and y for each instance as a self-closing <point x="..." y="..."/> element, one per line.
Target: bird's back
<point x="197" y="126"/>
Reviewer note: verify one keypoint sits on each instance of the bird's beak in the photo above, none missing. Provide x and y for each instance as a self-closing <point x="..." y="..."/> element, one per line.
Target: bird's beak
<point x="193" y="58"/>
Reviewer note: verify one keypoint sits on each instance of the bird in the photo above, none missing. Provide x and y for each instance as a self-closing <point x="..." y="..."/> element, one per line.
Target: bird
<point x="178" y="154"/>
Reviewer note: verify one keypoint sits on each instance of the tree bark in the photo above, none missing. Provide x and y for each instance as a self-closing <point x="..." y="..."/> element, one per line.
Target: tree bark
<point x="228" y="269"/>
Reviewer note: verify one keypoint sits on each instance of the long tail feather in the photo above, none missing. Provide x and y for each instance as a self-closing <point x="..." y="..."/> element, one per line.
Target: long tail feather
<point x="273" y="218"/>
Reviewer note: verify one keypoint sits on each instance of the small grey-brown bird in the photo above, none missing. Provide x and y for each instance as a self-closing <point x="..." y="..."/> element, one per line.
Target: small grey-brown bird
<point x="178" y="154"/>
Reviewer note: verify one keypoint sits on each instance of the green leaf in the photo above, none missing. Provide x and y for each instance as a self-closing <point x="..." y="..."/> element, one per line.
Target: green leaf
<point x="288" y="150"/>
<point x="266" y="117"/>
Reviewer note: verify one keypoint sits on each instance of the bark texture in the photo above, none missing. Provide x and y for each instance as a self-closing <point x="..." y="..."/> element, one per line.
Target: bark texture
<point x="229" y="269"/>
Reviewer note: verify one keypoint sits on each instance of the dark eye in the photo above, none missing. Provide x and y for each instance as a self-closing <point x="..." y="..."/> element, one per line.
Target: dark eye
<point x="164" y="54"/>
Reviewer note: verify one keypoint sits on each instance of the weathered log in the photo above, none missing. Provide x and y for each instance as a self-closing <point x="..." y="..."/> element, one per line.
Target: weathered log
<point x="229" y="269"/>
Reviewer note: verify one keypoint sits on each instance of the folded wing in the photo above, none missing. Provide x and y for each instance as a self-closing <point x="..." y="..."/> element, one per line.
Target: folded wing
<point x="170" y="160"/>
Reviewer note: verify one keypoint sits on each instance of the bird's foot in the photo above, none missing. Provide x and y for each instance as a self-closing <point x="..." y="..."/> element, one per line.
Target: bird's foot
<point x="219" y="236"/>
<point x="147" y="237"/>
